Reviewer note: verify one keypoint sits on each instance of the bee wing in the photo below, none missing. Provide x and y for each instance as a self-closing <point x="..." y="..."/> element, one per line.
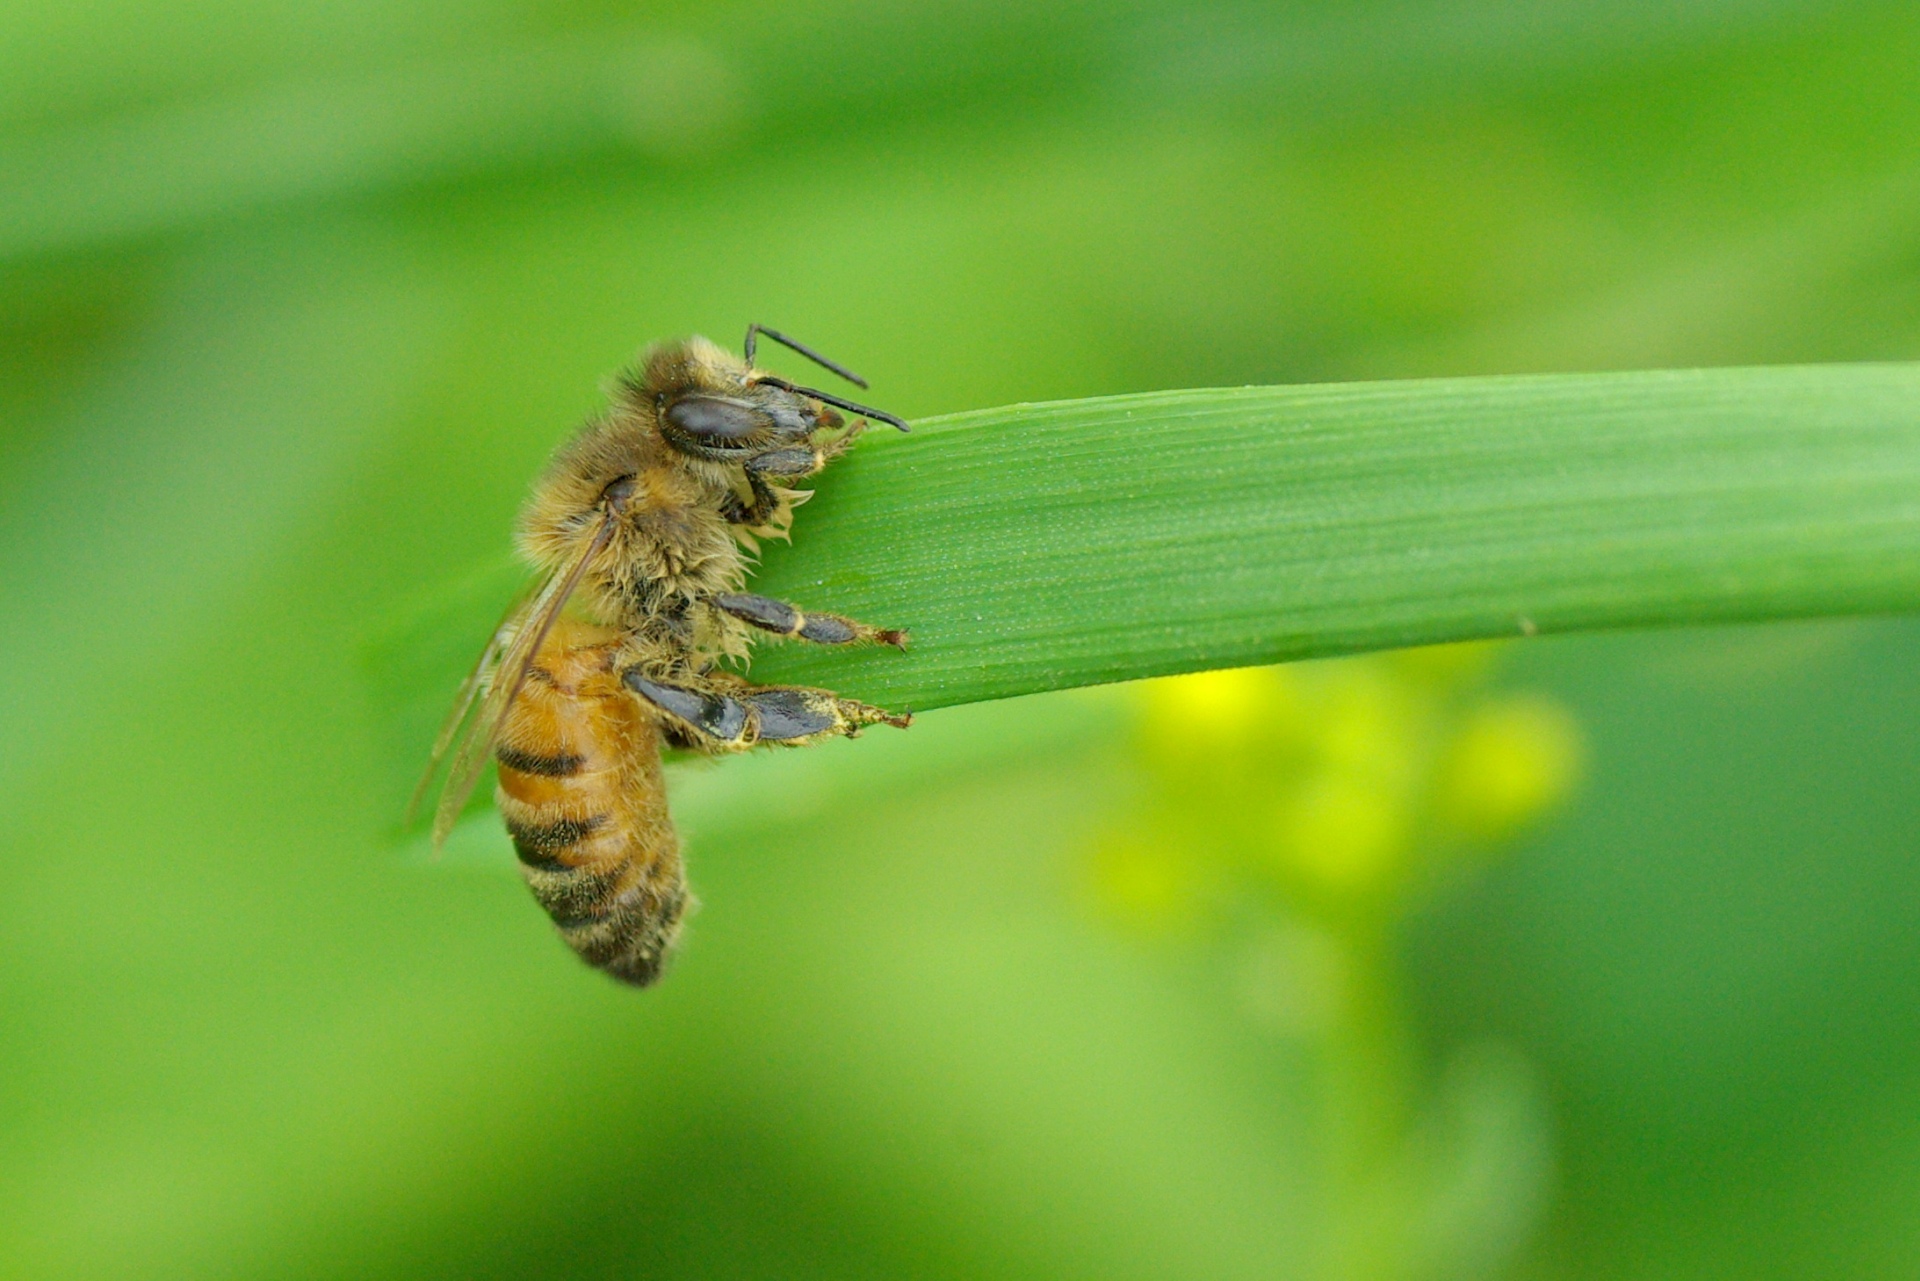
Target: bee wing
<point x="472" y="687"/>
<point x="511" y="652"/>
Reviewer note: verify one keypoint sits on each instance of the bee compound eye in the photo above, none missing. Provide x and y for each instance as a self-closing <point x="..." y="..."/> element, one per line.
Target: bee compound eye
<point x="709" y="420"/>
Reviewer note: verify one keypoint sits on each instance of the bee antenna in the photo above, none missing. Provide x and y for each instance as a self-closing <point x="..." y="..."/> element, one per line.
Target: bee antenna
<point x="852" y="407"/>
<point x="753" y="337"/>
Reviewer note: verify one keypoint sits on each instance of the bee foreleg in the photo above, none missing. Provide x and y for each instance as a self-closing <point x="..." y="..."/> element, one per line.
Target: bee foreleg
<point x="763" y="508"/>
<point x="796" y="462"/>
<point x="782" y="619"/>
<point x="790" y="463"/>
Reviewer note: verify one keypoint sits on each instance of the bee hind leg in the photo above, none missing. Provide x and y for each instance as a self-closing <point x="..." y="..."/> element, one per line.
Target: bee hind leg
<point x="709" y="720"/>
<point x="795" y="714"/>
<point x="727" y="717"/>
<point x="782" y="619"/>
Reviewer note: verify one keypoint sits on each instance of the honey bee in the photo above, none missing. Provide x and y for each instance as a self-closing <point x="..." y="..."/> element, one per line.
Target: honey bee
<point x="641" y="531"/>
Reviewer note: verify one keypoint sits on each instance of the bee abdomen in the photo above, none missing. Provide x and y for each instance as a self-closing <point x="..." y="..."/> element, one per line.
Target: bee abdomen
<point x="616" y="903"/>
<point x="629" y="935"/>
<point x="581" y="792"/>
<point x="622" y="919"/>
<point x="540" y="844"/>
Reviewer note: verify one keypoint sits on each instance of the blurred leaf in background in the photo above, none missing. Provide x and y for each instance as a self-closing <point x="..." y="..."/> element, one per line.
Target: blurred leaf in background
<point x="294" y="300"/>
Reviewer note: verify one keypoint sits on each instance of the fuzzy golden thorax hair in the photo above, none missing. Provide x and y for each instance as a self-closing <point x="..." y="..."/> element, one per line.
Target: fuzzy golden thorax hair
<point x="674" y="544"/>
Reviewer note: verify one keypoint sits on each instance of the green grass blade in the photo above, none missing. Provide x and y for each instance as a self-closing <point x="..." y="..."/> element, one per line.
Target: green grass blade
<point x="1037" y="547"/>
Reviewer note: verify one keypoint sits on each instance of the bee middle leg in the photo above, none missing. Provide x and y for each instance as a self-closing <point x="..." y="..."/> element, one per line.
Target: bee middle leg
<point x="782" y="619"/>
<point x="727" y="715"/>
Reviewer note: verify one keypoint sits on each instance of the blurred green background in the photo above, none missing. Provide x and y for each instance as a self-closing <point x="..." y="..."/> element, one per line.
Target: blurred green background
<point x="294" y="300"/>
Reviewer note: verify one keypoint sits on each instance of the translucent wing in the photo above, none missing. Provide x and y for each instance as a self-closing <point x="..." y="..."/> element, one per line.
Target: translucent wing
<point x="517" y="642"/>
<point x="472" y="687"/>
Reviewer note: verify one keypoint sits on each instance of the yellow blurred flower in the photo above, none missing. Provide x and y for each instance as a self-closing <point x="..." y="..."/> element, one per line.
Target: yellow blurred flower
<point x="1341" y="784"/>
<point x="1512" y="761"/>
<point x="1370" y="721"/>
<point x="1216" y="711"/>
<point x="1345" y="833"/>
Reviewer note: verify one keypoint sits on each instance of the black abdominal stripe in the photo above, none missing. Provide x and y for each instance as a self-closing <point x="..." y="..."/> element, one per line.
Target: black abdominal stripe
<point x="560" y="765"/>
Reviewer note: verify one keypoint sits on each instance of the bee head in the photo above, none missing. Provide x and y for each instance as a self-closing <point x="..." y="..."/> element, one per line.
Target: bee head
<point x="709" y="404"/>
